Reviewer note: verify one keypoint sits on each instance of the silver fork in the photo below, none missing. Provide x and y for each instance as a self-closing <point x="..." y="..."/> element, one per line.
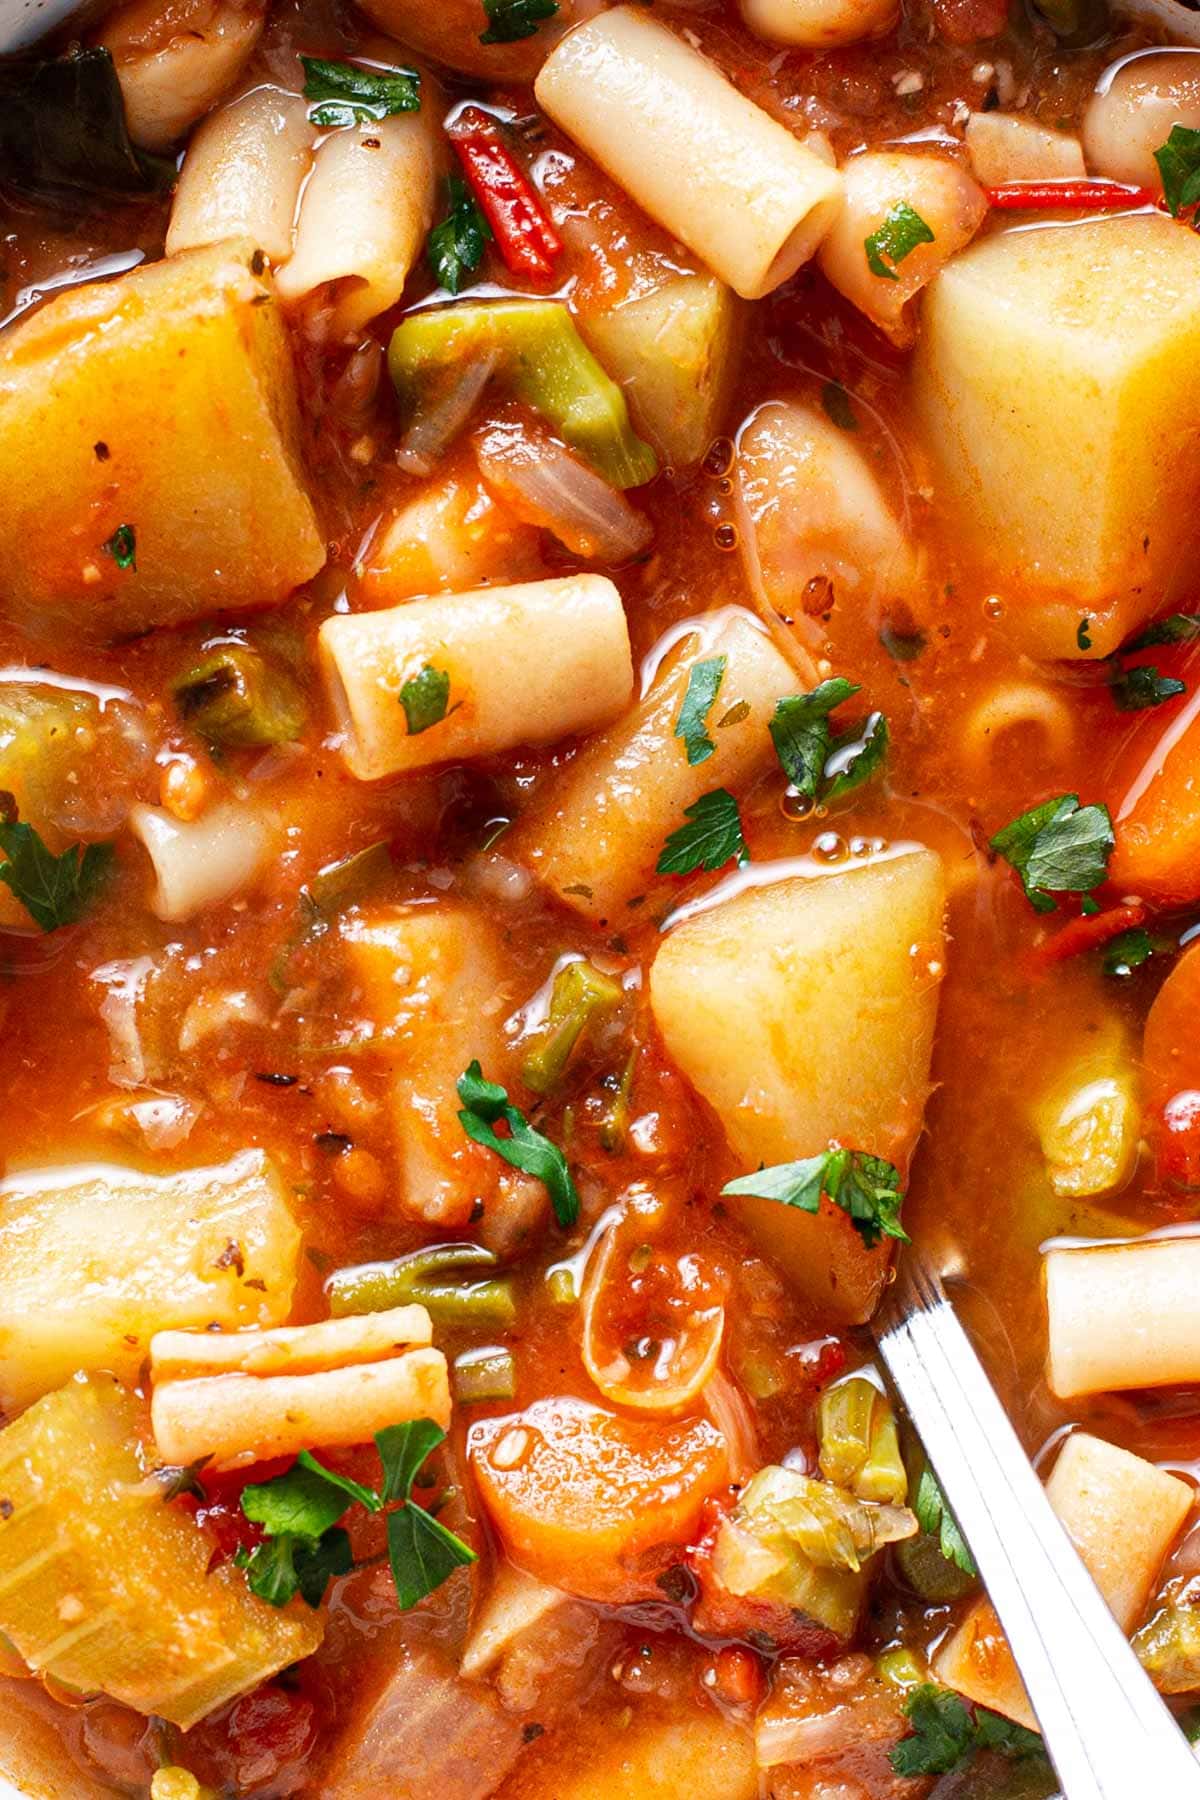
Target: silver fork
<point x="1108" y="1734"/>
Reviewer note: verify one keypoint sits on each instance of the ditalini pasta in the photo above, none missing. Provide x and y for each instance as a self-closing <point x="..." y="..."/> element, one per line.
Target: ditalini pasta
<point x="1123" y="1315"/>
<point x="703" y="160"/>
<point x="470" y="674"/>
<point x="204" y="860"/>
<point x="242" y="175"/>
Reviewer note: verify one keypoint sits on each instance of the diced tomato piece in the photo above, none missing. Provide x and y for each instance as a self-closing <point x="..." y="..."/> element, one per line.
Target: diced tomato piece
<point x="1087" y="932"/>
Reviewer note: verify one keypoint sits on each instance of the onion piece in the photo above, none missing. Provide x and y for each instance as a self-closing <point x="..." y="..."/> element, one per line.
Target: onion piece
<point x="545" y="485"/>
<point x="438" y="423"/>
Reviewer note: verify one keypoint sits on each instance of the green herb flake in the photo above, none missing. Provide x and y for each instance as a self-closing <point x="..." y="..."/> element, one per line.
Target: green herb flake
<point x="1176" y="628"/>
<point x="1127" y="952"/>
<point x="865" y="1187"/>
<point x="937" y="1521"/>
<point x="898" y="236"/>
<point x="54" y="890"/>
<point x="1137" y="689"/>
<point x="456" y="246"/>
<point x="348" y="95"/>
<point x="122" y="547"/>
<point x="1179" y="166"/>
<point x="802" y="735"/>
<point x="511" y="20"/>
<point x="485" y="1105"/>
<point x="947" y="1733"/>
<point x="1082" y="634"/>
<point x="856" y="757"/>
<point x="836" y="401"/>
<point x="424" y="698"/>
<point x="711" y="837"/>
<point x="704" y="683"/>
<point x="1059" y="847"/>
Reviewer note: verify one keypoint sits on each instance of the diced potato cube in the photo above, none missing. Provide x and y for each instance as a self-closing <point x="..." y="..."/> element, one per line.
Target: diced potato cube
<point x="803" y="1011"/>
<point x="106" y="1586"/>
<point x="163" y="402"/>
<point x="674" y="352"/>
<point x="1057" y="376"/>
<point x="696" y="1756"/>
<point x="95" y="1260"/>
<point x="1006" y="147"/>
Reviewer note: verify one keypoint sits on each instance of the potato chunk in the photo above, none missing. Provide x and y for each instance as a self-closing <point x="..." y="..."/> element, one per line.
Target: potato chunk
<point x="696" y="1755"/>
<point x="95" y="1260"/>
<point x="163" y="402"/>
<point x="803" y="1011"/>
<point x="1058" y="378"/>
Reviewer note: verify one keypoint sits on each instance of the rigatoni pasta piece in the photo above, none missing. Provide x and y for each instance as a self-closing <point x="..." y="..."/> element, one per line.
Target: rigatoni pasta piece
<point x="203" y="861"/>
<point x="175" y="58"/>
<point x="819" y="24"/>
<point x="700" y="158"/>
<point x="469" y="674"/>
<point x="365" y="213"/>
<point x="599" y="826"/>
<point x="242" y="175"/>
<point x="1123" y="1315"/>
<point x="291" y="1349"/>
<point x="95" y="1259"/>
<point x="1122" y="1514"/>
<point x="902" y="219"/>
<point x="118" y="401"/>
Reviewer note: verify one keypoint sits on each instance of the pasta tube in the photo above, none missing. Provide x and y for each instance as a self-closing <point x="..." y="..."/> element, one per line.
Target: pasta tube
<point x="465" y="675"/>
<point x="202" y="862"/>
<point x="700" y="158"/>
<point x="1123" y="1315"/>
<point x="242" y="175"/>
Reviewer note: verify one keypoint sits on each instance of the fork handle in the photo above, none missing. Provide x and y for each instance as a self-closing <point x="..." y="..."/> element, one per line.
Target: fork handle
<point x="1107" y="1731"/>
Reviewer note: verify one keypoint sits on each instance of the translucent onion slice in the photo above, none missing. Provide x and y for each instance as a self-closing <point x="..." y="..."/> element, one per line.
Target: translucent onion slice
<point x="545" y="485"/>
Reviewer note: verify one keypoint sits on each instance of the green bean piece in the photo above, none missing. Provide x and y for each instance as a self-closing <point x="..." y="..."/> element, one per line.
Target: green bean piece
<point x="419" y="1279"/>
<point x="487" y="1374"/>
<point x="614" y="1126"/>
<point x="236" y="700"/>
<point x="581" y="995"/>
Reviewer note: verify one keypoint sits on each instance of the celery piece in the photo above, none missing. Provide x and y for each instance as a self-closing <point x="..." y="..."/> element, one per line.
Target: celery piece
<point x="929" y="1573"/>
<point x="487" y="1374"/>
<point x="418" y="1279"/>
<point x="540" y="357"/>
<point x="1168" y="1644"/>
<point x="580" y="995"/>
<point x="105" y="1586"/>
<point x="901" y="1669"/>
<point x="237" y="700"/>
<point x="614" y="1126"/>
<point x="860" y="1449"/>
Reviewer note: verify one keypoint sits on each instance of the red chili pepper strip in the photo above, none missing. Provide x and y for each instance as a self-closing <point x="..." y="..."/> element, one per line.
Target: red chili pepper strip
<point x="525" y="238"/>
<point x="1087" y="932"/>
<point x="1089" y="196"/>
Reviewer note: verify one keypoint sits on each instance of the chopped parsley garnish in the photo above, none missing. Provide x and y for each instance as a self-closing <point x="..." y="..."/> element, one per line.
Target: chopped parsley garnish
<point x="935" y="1518"/>
<point x="54" y="890"/>
<point x="704" y="683"/>
<point x="485" y="1104"/>
<point x="1176" y="628"/>
<point x="865" y="1187"/>
<point x="819" y="765"/>
<point x="304" y="1546"/>
<point x="1136" y="689"/>
<point x="510" y="20"/>
<point x="902" y="230"/>
<point x="947" y="1733"/>
<point x="456" y="246"/>
<point x="424" y="698"/>
<point x="1179" y="165"/>
<point x="836" y="401"/>
<point x="1129" y="950"/>
<point x="1082" y="634"/>
<point x="711" y="837"/>
<point x="347" y="94"/>
<point x="122" y="547"/>
<point x="1059" y="847"/>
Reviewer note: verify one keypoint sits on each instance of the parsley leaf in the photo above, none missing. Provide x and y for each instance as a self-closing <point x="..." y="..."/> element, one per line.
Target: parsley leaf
<point x="1179" y="165"/>
<point x="456" y="246"/>
<point x="1135" y="689"/>
<point x="936" y="1520"/>
<point x="943" y="1733"/>
<point x="55" y="890"/>
<point x="122" y="547"/>
<point x="801" y="733"/>
<point x="1059" y="847"/>
<point x="855" y="758"/>
<point x="710" y="839"/>
<point x="994" y="1732"/>
<point x="349" y="94"/>
<point x="510" y="20"/>
<point x="1176" y="628"/>
<point x="485" y="1103"/>
<point x="836" y="401"/>
<point x="422" y="1552"/>
<point x="304" y="1501"/>
<point x="865" y="1187"/>
<point x="1083" y="634"/>
<point x="403" y="1449"/>
<point x="704" y="683"/>
<point x="902" y="230"/>
<point x="1127" y="952"/>
<point x="424" y="698"/>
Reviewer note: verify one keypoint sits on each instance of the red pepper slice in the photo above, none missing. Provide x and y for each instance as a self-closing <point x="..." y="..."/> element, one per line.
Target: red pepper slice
<point x="1086" y="196"/>
<point x="525" y="238"/>
<point x="1087" y="932"/>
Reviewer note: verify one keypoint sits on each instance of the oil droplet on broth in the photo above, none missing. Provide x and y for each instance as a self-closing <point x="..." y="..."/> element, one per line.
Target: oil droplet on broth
<point x="830" y="848"/>
<point x="993" y="607"/>
<point x="725" y="537"/>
